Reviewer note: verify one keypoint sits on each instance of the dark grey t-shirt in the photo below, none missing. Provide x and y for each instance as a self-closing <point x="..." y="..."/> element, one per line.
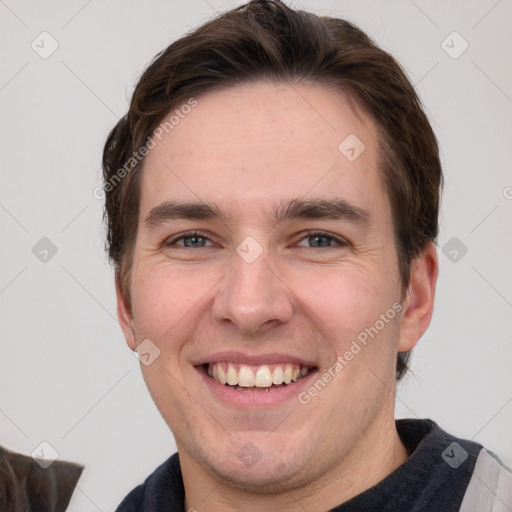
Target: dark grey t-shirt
<point x="442" y="474"/>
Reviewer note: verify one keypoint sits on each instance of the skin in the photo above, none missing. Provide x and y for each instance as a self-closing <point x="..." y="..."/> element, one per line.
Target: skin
<point x="247" y="148"/>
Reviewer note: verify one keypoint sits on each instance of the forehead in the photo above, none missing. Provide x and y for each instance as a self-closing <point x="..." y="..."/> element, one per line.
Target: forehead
<point x="257" y="143"/>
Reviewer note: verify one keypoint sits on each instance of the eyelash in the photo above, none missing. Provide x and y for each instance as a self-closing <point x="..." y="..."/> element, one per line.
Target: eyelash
<point x="340" y="241"/>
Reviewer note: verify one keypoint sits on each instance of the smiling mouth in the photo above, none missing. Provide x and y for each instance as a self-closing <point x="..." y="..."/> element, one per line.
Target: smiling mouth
<point x="241" y="377"/>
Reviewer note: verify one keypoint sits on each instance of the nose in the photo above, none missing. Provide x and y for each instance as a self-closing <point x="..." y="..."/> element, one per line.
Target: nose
<point x="253" y="296"/>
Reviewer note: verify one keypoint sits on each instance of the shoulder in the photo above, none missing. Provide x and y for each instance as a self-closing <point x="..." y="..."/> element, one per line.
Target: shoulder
<point x="455" y="470"/>
<point x="490" y="487"/>
<point x="165" y="480"/>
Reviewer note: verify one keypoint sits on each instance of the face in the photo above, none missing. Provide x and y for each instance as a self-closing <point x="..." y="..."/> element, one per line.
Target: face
<point x="264" y="257"/>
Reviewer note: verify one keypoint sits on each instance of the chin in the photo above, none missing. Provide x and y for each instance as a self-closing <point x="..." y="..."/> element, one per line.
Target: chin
<point x="266" y="477"/>
<point x="259" y="466"/>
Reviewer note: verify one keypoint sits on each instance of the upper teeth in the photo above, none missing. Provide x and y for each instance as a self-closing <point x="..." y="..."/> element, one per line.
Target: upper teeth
<point x="261" y="376"/>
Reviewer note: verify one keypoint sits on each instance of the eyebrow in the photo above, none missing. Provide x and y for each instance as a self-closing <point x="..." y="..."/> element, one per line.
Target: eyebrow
<point x="296" y="209"/>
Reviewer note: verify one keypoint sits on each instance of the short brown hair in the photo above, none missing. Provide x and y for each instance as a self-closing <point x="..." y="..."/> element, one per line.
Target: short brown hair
<point x="266" y="40"/>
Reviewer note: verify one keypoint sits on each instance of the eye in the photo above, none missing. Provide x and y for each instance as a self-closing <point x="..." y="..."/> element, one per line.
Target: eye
<point x="194" y="239"/>
<point x="321" y="239"/>
<point x="314" y="239"/>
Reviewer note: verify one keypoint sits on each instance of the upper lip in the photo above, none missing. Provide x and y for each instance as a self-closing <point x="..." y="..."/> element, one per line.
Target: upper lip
<point x="254" y="359"/>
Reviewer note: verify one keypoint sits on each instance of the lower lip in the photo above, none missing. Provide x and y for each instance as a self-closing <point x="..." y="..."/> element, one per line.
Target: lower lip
<point x="248" y="399"/>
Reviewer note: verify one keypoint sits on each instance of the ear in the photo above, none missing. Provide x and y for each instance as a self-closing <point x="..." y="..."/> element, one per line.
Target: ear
<point x="124" y="315"/>
<point x="418" y="304"/>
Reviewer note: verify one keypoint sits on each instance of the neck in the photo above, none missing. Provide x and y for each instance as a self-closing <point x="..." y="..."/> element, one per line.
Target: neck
<point x="378" y="453"/>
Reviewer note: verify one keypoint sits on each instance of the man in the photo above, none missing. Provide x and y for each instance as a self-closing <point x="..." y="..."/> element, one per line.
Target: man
<point x="272" y="203"/>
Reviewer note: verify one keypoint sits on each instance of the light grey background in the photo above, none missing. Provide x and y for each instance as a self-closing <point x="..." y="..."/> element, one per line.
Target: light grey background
<point x="66" y="375"/>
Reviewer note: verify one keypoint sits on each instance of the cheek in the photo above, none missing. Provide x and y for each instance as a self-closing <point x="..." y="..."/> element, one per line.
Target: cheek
<point x="356" y="306"/>
<point x="163" y="298"/>
<point x="346" y="299"/>
<point x="166" y="307"/>
<point x="170" y="304"/>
